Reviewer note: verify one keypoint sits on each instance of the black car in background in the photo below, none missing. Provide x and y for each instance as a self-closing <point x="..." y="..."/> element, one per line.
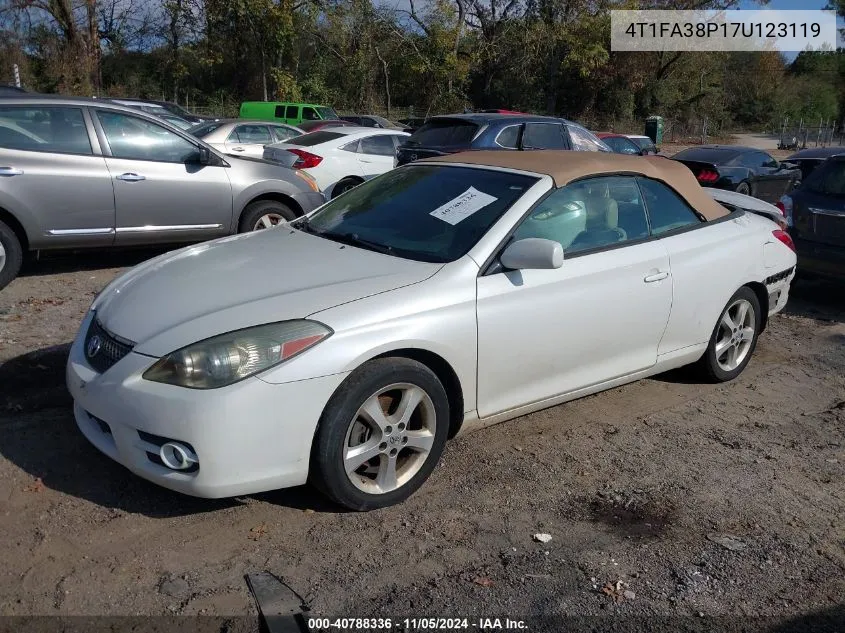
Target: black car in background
<point x="815" y="211"/>
<point x="449" y="134"/>
<point x="808" y="159"/>
<point x="745" y="170"/>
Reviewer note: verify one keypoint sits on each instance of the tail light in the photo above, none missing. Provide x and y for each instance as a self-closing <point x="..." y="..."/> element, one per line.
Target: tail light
<point x="785" y="205"/>
<point x="708" y="175"/>
<point x="306" y="160"/>
<point x="784" y="237"/>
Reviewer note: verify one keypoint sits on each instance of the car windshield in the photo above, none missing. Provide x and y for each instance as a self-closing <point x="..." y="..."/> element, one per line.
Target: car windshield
<point x="828" y="179"/>
<point x="444" y="133"/>
<point x="643" y="142"/>
<point x="430" y="213"/>
<point x="327" y="113"/>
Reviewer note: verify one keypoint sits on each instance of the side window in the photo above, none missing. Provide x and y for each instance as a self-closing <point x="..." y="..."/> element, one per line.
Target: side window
<point x="352" y="147"/>
<point x="397" y="140"/>
<point x="279" y="112"/>
<point x="283" y="133"/>
<point x="310" y="114"/>
<point x="138" y="139"/>
<point x="622" y="145"/>
<point x="582" y="140"/>
<point x="768" y="161"/>
<point x="666" y="209"/>
<point x="753" y="159"/>
<point x="60" y="130"/>
<point x="251" y="134"/>
<point x="292" y="112"/>
<point x="543" y="136"/>
<point x="589" y="214"/>
<point x="381" y="145"/>
<point x="509" y="137"/>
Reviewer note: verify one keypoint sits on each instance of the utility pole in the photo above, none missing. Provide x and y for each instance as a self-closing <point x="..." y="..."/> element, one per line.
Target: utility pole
<point x="17" y="76"/>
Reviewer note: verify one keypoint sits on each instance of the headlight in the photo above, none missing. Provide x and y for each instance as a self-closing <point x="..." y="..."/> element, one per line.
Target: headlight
<point x="226" y="359"/>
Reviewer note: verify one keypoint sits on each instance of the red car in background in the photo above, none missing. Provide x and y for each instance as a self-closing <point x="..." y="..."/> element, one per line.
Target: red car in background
<point x="621" y="144"/>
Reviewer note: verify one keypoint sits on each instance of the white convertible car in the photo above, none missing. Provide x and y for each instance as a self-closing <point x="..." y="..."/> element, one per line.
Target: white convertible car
<point x="447" y="294"/>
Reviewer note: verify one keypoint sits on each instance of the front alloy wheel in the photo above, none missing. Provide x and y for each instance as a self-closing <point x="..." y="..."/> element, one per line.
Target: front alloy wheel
<point x="389" y="438"/>
<point x="381" y="434"/>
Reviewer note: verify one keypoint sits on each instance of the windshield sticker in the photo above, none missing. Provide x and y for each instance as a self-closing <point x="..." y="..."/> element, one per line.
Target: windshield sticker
<point x="460" y="208"/>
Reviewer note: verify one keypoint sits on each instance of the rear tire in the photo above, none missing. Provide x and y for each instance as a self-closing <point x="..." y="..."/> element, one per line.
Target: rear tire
<point x="264" y="214"/>
<point x="344" y="185"/>
<point x="744" y="188"/>
<point x="11" y="255"/>
<point x="381" y="434"/>
<point x="734" y="338"/>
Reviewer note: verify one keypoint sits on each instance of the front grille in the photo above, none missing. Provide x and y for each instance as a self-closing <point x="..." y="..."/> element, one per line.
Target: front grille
<point x="103" y="349"/>
<point x="776" y="278"/>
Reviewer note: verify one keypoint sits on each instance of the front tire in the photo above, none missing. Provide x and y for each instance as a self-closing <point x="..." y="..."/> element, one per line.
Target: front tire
<point x="264" y="214"/>
<point x="381" y="434"/>
<point x="11" y="255"/>
<point x="734" y="338"/>
<point x="744" y="188"/>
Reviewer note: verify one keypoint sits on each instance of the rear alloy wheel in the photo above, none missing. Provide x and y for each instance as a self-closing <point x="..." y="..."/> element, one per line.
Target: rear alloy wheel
<point x="264" y="214"/>
<point x="343" y="186"/>
<point x="11" y="255"/>
<point x="744" y="188"/>
<point x="381" y="434"/>
<point x="734" y="337"/>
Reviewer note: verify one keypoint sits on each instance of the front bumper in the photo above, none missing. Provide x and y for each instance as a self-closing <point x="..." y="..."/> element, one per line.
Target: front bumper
<point x="821" y="259"/>
<point x="249" y="437"/>
<point x="309" y="200"/>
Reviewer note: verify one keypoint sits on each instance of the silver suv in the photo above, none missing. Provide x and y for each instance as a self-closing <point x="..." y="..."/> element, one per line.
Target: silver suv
<point x="86" y="173"/>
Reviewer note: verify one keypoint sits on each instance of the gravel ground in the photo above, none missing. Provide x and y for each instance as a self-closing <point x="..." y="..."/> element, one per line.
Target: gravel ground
<point x="671" y="505"/>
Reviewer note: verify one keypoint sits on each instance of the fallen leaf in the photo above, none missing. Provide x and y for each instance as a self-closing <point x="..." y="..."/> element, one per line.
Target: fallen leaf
<point x="35" y="486"/>
<point x="258" y="531"/>
<point x="483" y="581"/>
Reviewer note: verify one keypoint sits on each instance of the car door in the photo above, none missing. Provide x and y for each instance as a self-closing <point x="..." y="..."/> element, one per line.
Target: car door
<point x="248" y="139"/>
<point x="600" y="316"/>
<point x="161" y="191"/>
<point x="375" y="154"/>
<point x="52" y="177"/>
<point x="766" y="180"/>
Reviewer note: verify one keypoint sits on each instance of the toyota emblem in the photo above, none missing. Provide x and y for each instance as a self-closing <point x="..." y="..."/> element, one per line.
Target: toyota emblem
<point x="93" y="347"/>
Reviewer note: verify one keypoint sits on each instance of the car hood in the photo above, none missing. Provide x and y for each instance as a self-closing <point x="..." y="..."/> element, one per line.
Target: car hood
<point x="236" y="282"/>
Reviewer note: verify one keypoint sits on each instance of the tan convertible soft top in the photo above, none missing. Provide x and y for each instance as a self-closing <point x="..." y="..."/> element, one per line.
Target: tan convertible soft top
<point x="566" y="166"/>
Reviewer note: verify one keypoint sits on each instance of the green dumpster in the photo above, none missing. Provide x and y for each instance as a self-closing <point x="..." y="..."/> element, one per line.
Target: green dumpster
<point x="654" y="129"/>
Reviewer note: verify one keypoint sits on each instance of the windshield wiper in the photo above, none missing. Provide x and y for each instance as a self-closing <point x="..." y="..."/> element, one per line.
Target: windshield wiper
<point x="353" y="240"/>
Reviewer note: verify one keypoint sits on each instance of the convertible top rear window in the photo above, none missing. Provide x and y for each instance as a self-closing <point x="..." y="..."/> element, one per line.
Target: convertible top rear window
<point x="432" y="213"/>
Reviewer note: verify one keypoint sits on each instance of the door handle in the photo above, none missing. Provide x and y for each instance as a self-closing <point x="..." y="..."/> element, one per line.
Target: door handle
<point x="131" y="177"/>
<point x="10" y="171"/>
<point x="656" y="277"/>
<point x="237" y="149"/>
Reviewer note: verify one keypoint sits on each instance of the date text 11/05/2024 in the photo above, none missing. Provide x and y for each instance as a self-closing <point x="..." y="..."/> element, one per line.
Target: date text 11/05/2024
<point x="416" y="624"/>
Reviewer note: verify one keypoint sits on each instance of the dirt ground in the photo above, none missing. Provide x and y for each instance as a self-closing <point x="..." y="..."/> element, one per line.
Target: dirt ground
<point x="671" y="505"/>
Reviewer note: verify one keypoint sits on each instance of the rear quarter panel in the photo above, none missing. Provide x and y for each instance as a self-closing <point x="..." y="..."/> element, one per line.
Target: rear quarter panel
<point x="708" y="265"/>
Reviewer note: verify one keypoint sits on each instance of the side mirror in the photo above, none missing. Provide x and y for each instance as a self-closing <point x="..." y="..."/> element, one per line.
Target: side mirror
<point x="532" y="253"/>
<point x="204" y="156"/>
<point x="788" y="165"/>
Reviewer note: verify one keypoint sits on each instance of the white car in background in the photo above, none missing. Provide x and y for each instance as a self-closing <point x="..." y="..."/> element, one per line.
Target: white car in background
<point x="339" y="158"/>
<point x="242" y="137"/>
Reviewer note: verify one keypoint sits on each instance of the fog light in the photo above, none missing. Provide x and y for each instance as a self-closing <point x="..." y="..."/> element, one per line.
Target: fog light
<point x="176" y="456"/>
